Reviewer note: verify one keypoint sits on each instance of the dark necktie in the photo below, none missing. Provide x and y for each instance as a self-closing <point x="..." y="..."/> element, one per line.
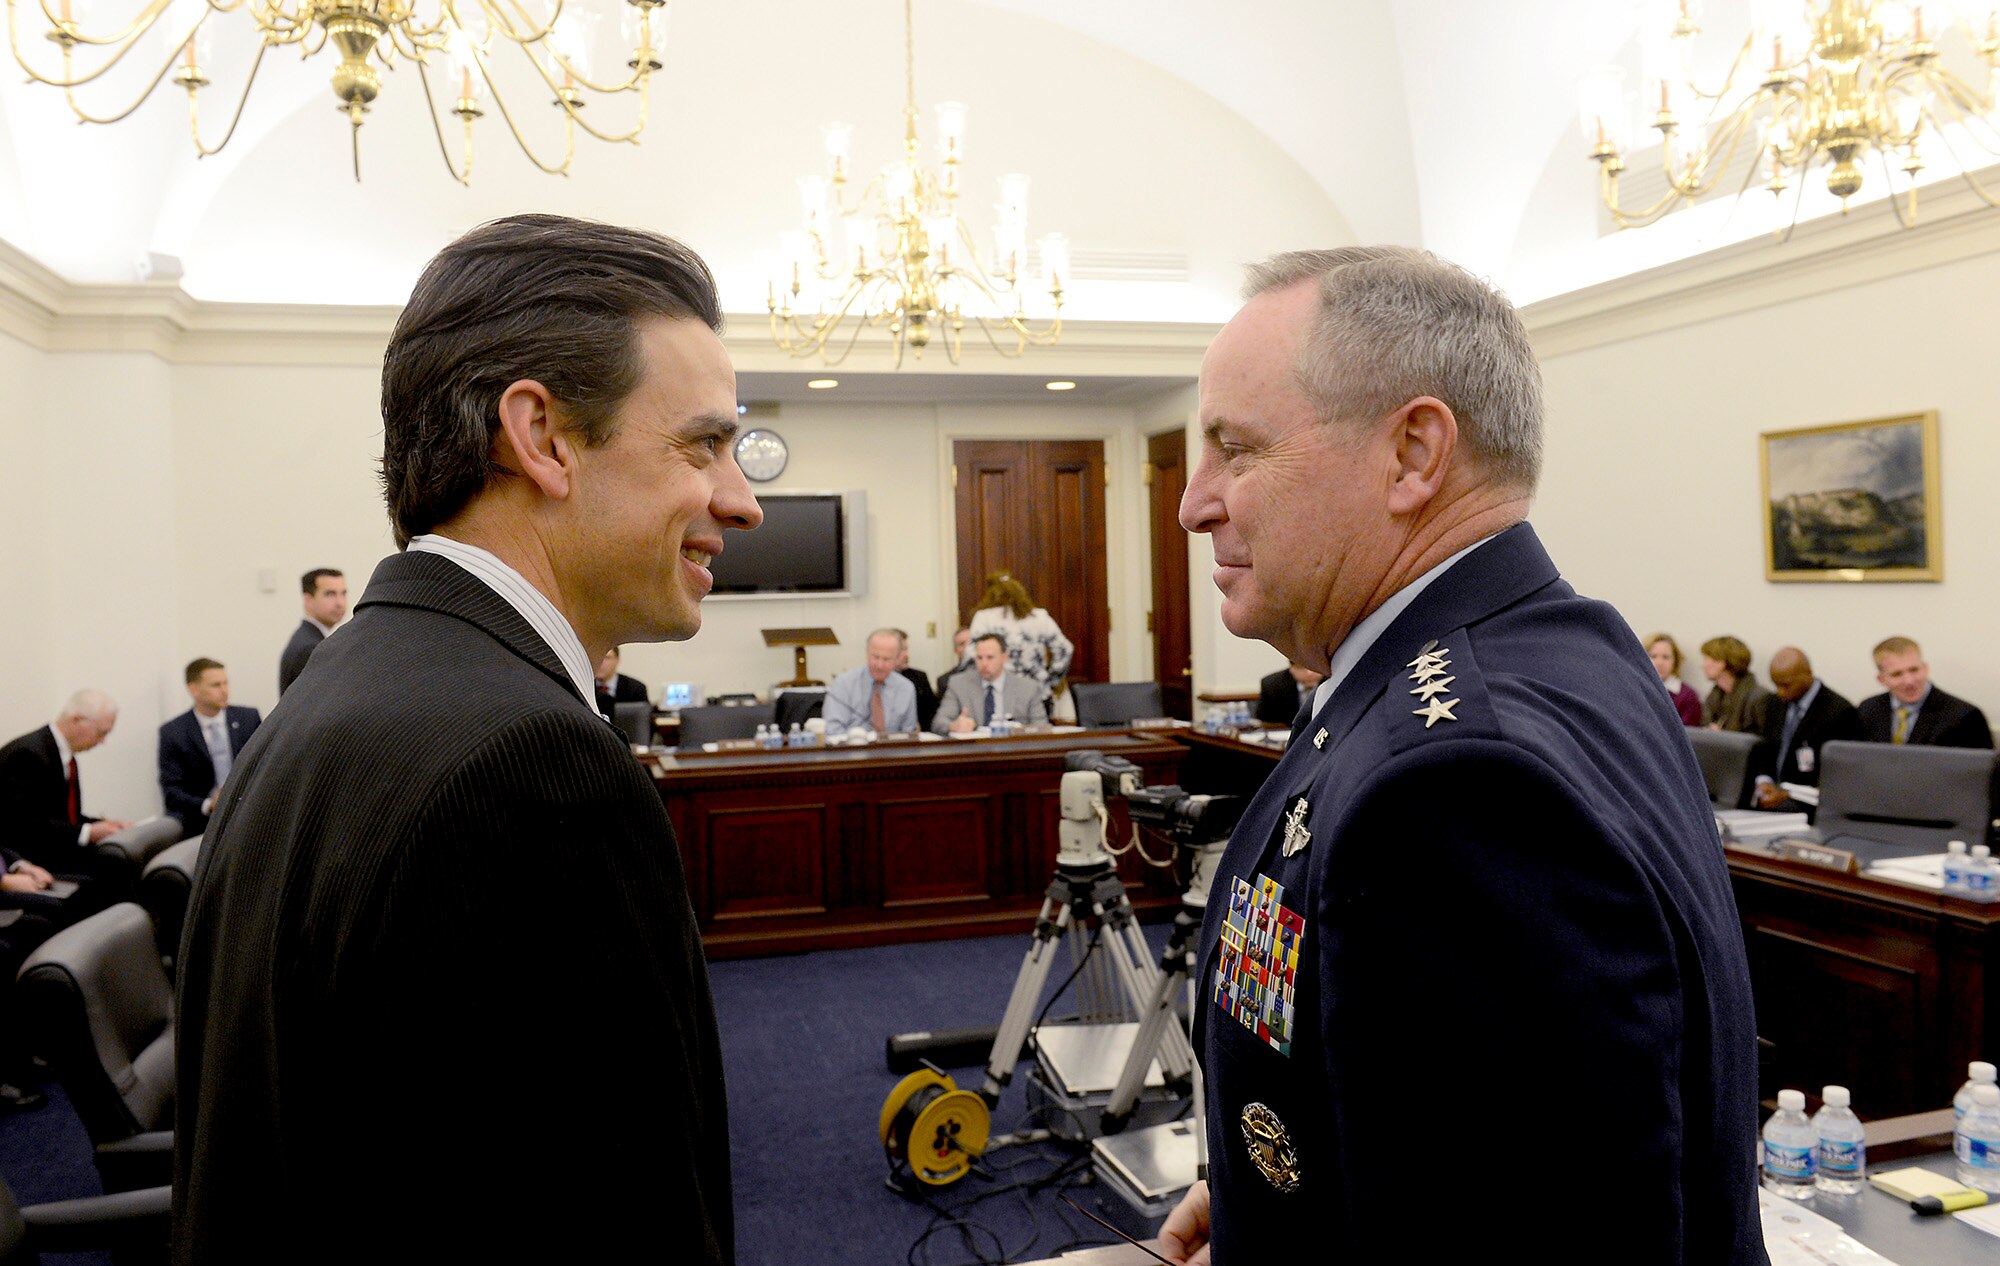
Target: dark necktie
<point x="991" y="691"/>
<point x="1793" y="713"/>
<point x="75" y="796"/>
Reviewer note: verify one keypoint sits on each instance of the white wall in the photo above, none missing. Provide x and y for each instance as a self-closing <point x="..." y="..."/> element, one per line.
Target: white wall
<point x="1652" y="501"/>
<point x="28" y="693"/>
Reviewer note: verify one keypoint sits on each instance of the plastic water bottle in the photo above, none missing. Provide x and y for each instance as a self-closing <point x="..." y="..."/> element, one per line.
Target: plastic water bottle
<point x="1955" y="861"/>
<point x="1982" y="876"/>
<point x="1842" y="1159"/>
<point x="1977" y="1140"/>
<point x="797" y="736"/>
<point x="1790" y="1148"/>
<point x="763" y="736"/>
<point x="1978" y="1073"/>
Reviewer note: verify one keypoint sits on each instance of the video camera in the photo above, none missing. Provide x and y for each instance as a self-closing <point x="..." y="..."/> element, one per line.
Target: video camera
<point x="1190" y="819"/>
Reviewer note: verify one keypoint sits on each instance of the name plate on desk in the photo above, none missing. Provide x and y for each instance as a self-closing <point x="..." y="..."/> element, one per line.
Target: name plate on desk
<point x="738" y="745"/>
<point x="1153" y="723"/>
<point x="1812" y="854"/>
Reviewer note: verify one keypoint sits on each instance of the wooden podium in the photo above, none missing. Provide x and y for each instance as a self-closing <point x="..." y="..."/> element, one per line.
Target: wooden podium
<point x="798" y="640"/>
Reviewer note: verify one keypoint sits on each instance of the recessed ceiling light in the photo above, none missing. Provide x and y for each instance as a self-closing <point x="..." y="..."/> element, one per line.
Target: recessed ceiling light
<point x="822" y="384"/>
<point x="1061" y="384"/>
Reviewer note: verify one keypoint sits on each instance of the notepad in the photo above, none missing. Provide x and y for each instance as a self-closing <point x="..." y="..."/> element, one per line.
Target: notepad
<point x="1908" y="1184"/>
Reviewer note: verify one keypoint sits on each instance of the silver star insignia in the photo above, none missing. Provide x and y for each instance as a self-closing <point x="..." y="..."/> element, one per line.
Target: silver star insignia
<point x="1437" y="710"/>
<point x="1430" y="651"/>
<point x="1432" y="689"/>
<point x="1429" y="671"/>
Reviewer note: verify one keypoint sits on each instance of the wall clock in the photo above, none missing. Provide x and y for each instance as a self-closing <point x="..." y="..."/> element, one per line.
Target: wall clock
<point x="762" y="454"/>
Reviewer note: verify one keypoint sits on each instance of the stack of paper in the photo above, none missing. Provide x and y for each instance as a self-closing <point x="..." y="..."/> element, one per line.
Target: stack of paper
<point x="1924" y="871"/>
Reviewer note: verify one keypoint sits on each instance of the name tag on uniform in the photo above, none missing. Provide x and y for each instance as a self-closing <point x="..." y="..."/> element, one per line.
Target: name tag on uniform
<point x="1256" y="973"/>
<point x="1804" y="756"/>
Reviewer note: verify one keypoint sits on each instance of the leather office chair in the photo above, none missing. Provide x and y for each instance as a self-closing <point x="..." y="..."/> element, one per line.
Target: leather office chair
<point x="636" y="719"/>
<point x="797" y="706"/>
<point x="1726" y="759"/>
<point x="163" y="889"/>
<point x="1905" y="794"/>
<point x="139" y="842"/>
<point x="98" y="1005"/>
<point x="131" y="1224"/>
<point x="712" y="724"/>
<point x="1109" y="704"/>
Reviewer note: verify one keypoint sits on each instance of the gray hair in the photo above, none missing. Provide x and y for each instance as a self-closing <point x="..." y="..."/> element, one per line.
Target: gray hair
<point x="89" y="705"/>
<point x="1397" y="323"/>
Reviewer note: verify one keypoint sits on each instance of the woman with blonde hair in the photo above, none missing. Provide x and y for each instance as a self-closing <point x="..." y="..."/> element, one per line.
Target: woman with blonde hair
<point x="1666" y="656"/>
<point x="1035" y="644"/>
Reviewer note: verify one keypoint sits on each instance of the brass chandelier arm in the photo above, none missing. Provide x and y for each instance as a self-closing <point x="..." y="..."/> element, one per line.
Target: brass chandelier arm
<point x="1964" y="170"/>
<point x="500" y="103"/>
<point x="1729" y="79"/>
<point x="194" y="124"/>
<point x="632" y="81"/>
<point x="437" y="126"/>
<point x="68" y="79"/>
<point x="137" y="26"/>
<point x="570" y="111"/>
<point x="69" y="95"/>
<point x="534" y="32"/>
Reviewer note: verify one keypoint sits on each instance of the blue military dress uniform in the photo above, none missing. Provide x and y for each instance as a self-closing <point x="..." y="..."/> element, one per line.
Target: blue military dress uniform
<point x="1473" y="976"/>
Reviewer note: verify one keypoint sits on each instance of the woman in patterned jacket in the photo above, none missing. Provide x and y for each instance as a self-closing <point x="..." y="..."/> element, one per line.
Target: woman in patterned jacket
<point x="1036" y="647"/>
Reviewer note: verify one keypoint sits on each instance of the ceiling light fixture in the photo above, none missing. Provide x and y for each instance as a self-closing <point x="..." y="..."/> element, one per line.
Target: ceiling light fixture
<point x="904" y="261"/>
<point x="1839" y="80"/>
<point x="1059" y="385"/>
<point x="822" y="384"/>
<point x="453" y="36"/>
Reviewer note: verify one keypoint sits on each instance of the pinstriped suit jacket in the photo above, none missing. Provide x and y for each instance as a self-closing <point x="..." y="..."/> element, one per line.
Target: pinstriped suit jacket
<point x="440" y="966"/>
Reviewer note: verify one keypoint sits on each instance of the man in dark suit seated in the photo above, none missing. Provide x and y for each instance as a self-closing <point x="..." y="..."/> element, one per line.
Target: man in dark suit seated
<point x="1911" y="709"/>
<point x="41" y="795"/>
<point x="927" y="699"/>
<point x="199" y="747"/>
<point x="614" y="688"/>
<point x="961" y="646"/>
<point x="324" y="597"/>
<point x="368" y="980"/>
<point x="1807" y="713"/>
<point x="1281" y="694"/>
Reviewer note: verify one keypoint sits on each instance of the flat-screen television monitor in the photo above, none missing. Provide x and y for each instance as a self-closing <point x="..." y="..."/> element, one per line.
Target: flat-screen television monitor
<point x="811" y="544"/>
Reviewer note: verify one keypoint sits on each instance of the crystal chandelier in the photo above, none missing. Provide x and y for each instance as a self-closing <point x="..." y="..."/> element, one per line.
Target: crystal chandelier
<point x="1826" y="82"/>
<point x="903" y="260"/>
<point x="455" y="37"/>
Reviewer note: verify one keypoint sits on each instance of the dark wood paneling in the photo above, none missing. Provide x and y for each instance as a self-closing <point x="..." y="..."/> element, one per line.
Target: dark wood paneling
<point x="766" y="861"/>
<point x="1830" y="1014"/>
<point x="936" y="849"/>
<point x="1173" y="643"/>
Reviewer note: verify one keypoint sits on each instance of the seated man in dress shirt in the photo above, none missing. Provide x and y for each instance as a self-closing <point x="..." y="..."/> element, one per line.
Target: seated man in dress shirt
<point x="1283" y="693"/>
<point x="994" y="693"/>
<point x="876" y="697"/>
<point x="1807" y="713"/>
<point x="324" y="597"/>
<point x="1912" y="710"/>
<point x="41" y="794"/>
<point x="198" y="747"/>
<point x="614" y="688"/>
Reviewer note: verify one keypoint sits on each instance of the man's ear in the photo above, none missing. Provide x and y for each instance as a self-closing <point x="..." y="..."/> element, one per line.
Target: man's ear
<point x="531" y="442"/>
<point x="1426" y="437"/>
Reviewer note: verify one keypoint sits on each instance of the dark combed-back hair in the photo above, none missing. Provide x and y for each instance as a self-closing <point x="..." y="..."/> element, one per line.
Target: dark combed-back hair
<point x="196" y="667"/>
<point x="309" y="583"/>
<point x="541" y="297"/>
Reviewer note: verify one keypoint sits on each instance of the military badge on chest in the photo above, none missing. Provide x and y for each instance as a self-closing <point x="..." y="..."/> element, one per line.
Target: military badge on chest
<point x="1256" y="972"/>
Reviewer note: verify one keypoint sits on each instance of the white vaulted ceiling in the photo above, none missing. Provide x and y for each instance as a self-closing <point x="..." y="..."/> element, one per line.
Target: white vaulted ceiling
<point x="1171" y="140"/>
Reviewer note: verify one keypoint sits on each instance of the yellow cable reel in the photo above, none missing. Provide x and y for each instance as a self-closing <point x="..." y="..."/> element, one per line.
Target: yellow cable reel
<point x="932" y="1129"/>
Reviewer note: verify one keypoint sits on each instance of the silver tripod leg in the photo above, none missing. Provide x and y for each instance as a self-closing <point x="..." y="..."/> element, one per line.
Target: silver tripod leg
<point x="1034" y="973"/>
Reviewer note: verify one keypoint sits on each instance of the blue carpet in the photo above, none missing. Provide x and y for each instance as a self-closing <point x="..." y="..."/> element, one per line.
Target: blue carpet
<point x="802" y="1038"/>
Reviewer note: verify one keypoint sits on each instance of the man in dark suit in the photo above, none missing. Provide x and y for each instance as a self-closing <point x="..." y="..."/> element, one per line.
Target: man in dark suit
<point x="961" y="646"/>
<point x="199" y="747"/>
<point x="371" y="973"/>
<point x="991" y="693"/>
<point x="613" y="688"/>
<point x="324" y="597"/>
<point x="1281" y="694"/>
<point x="41" y="796"/>
<point x="1911" y="709"/>
<point x="1432" y="906"/>
<point x="927" y="697"/>
<point x="1806" y="714"/>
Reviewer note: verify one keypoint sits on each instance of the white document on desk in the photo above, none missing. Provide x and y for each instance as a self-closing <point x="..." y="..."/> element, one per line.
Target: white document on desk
<point x="1926" y="871"/>
<point x="1986" y="1217"/>
<point x="1796" y="1236"/>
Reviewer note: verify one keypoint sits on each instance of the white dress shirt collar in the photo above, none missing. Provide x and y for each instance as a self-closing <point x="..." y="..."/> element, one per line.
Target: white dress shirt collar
<point x="532" y="605"/>
<point x="63" y="754"/>
<point x="1370" y="630"/>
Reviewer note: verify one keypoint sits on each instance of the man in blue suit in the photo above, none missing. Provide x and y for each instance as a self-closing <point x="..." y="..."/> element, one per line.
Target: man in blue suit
<point x="198" y="747"/>
<point x="1488" y="846"/>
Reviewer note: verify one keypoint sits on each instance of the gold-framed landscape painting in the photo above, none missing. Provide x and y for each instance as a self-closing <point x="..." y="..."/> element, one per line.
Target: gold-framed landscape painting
<point x="1853" y="501"/>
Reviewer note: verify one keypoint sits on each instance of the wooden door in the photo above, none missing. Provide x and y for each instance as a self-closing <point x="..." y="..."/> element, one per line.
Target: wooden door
<point x="1035" y="508"/>
<point x="1173" y="648"/>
